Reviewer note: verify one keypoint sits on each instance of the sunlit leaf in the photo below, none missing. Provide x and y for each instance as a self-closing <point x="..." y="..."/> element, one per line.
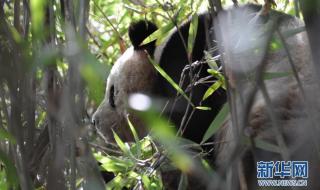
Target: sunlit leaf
<point x="40" y="119"/>
<point x="78" y="182"/>
<point x="133" y="130"/>
<point x="203" y="108"/>
<point x="219" y="76"/>
<point x="146" y="181"/>
<point x="212" y="89"/>
<point x="211" y="62"/>
<point x="143" y="149"/>
<point x="135" y="136"/>
<point x="116" y="183"/>
<point x="120" y="143"/>
<point x="37" y="17"/>
<point x="159" y="34"/>
<point x="112" y="164"/>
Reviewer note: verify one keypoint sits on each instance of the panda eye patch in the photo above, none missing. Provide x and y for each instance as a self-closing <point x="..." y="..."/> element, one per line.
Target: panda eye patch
<point x="111" y="97"/>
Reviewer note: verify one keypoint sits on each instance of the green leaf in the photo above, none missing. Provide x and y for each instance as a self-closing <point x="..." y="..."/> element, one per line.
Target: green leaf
<point x="152" y="182"/>
<point x="135" y="136"/>
<point x="212" y="89"/>
<point x="159" y="35"/>
<point x="203" y="108"/>
<point x="219" y="76"/>
<point x="78" y="182"/>
<point x="274" y="75"/>
<point x="133" y="130"/>
<point x="116" y="183"/>
<point x="170" y="80"/>
<point x="10" y="169"/>
<point x="206" y="165"/>
<point x="112" y="164"/>
<point x="41" y="118"/>
<point x="94" y="74"/>
<point x="165" y="133"/>
<point x="3" y="180"/>
<point x="37" y="16"/>
<point x="146" y="181"/>
<point x="275" y="44"/>
<point x="120" y="143"/>
<point x="192" y="32"/>
<point x="15" y="34"/>
<point x="215" y="73"/>
<point x="217" y="122"/>
<point x="211" y="62"/>
<point x="7" y="136"/>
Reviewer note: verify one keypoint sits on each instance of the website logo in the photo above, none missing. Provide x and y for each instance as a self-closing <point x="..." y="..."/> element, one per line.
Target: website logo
<point x="282" y="173"/>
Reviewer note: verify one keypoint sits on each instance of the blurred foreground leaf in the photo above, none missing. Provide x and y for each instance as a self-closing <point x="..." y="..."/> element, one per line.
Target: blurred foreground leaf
<point x="11" y="173"/>
<point x="192" y="33"/>
<point x="217" y="122"/>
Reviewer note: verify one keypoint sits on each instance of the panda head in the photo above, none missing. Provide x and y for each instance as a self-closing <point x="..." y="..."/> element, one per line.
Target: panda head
<point x="131" y="73"/>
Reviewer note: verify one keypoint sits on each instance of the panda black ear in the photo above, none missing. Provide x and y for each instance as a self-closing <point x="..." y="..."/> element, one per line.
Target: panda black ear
<point x="140" y="30"/>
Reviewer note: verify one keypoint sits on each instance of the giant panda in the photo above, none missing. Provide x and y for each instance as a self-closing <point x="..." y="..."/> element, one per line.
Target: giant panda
<point x="133" y="73"/>
<point x="235" y="161"/>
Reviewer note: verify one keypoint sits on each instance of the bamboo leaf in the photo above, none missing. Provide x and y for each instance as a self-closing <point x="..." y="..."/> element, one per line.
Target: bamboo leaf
<point x="135" y="136"/>
<point x="217" y="122"/>
<point x="6" y="135"/>
<point x="212" y="89"/>
<point x="192" y="32"/>
<point x="159" y="34"/>
<point x="203" y="108"/>
<point x="210" y="60"/>
<point x="10" y="169"/>
<point x="37" y="17"/>
<point x="133" y="130"/>
<point x="171" y="81"/>
<point x="120" y="143"/>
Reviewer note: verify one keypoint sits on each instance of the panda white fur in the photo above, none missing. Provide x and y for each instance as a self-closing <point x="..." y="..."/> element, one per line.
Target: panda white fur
<point x="133" y="73"/>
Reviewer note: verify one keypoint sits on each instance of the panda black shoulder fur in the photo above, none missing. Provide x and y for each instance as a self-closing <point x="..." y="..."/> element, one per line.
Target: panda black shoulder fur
<point x="133" y="73"/>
